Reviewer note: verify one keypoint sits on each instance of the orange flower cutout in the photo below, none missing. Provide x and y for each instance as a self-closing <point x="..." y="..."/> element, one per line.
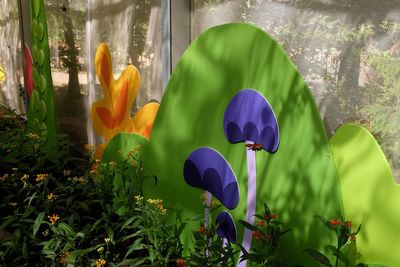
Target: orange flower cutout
<point x="111" y="115"/>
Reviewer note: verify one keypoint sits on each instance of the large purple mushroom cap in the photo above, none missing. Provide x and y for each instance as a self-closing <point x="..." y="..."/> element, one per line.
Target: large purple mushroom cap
<point x="226" y="227"/>
<point x="249" y="117"/>
<point x="205" y="168"/>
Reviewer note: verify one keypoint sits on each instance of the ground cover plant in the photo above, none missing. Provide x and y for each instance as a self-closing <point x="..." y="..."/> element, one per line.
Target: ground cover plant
<point x="56" y="210"/>
<point x="59" y="209"/>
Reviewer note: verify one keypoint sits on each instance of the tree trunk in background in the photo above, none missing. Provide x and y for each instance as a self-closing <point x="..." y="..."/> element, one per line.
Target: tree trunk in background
<point x="138" y="31"/>
<point x="72" y="53"/>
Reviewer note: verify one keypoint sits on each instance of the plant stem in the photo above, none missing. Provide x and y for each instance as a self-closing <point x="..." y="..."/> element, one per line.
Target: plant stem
<point x="337" y="251"/>
<point x="251" y="201"/>
<point x="207" y="205"/>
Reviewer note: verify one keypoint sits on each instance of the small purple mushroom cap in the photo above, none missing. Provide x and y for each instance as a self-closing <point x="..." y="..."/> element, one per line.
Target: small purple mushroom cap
<point x="249" y="117"/>
<point x="226" y="227"/>
<point x="205" y="168"/>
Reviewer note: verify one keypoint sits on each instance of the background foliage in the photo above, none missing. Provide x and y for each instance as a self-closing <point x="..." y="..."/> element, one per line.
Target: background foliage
<point x="347" y="51"/>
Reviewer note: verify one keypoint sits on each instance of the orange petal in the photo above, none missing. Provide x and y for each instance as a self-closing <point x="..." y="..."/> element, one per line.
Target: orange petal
<point x="105" y="67"/>
<point x="120" y="104"/>
<point x="146" y="133"/>
<point x="106" y="117"/>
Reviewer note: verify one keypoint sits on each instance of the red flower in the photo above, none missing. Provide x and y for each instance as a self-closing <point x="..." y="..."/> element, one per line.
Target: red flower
<point x="335" y="222"/>
<point x="272" y="216"/>
<point x="254" y="147"/>
<point x="349" y="224"/>
<point x="180" y="262"/>
<point x="257" y="235"/>
<point x="261" y="223"/>
<point x="210" y="234"/>
<point x="202" y="230"/>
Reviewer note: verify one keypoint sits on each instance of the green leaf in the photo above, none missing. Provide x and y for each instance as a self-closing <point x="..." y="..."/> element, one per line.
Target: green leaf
<point x="80" y="235"/>
<point x="37" y="223"/>
<point x="259" y="216"/>
<point x="66" y="229"/>
<point x="31" y="198"/>
<point x="321" y="258"/>
<point x="128" y="222"/>
<point x="137" y="245"/>
<point x="28" y="211"/>
<point x="248" y="226"/>
<point x="110" y="233"/>
<point x="25" y="250"/>
<point x="326" y="222"/>
<point x="331" y="248"/>
<point x="284" y="232"/>
<point x="267" y="210"/>
<point x="137" y="233"/>
<point x="358" y="229"/>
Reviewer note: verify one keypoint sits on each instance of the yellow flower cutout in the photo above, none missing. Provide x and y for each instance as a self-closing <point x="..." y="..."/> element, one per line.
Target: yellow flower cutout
<point x="2" y="74"/>
<point x="111" y="115"/>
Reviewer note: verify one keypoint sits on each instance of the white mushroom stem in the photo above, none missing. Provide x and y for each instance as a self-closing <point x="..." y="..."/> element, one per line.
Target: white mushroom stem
<point x="251" y="200"/>
<point x="207" y="204"/>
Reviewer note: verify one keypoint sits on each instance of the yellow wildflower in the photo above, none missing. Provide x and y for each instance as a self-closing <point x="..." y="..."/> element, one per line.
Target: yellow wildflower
<point x="33" y="136"/>
<point x="100" y="250"/>
<point x="163" y="210"/>
<point x="138" y="198"/>
<point x="203" y="197"/>
<point x="51" y="196"/>
<point x="4" y="177"/>
<point x="112" y="164"/>
<point x="54" y="218"/>
<point x="215" y="203"/>
<point x="13" y="204"/>
<point x="14" y="169"/>
<point x="82" y="180"/>
<point x="101" y="262"/>
<point x="64" y="257"/>
<point x="24" y="178"/>
<point x="158" y="203"/>
<point x="154" y="201"/>
<point x="41" y="177"/>
<point x="67" y="172"/>
<point x="107" y="240"/>
<point x="45" y="232"/>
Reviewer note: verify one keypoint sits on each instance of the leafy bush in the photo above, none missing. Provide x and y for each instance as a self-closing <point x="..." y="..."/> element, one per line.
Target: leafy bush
<point x="266" y="234"/>
<point x="58" y="215"/>
<point x="64" y="209"/>
<point x="345" y="249"/>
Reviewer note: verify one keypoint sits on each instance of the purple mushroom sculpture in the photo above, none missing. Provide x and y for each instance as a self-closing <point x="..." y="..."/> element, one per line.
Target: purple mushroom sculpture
<point x="226" y="227"/>
<point x="249" y="118"/>
<point x="207" y="169"/>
